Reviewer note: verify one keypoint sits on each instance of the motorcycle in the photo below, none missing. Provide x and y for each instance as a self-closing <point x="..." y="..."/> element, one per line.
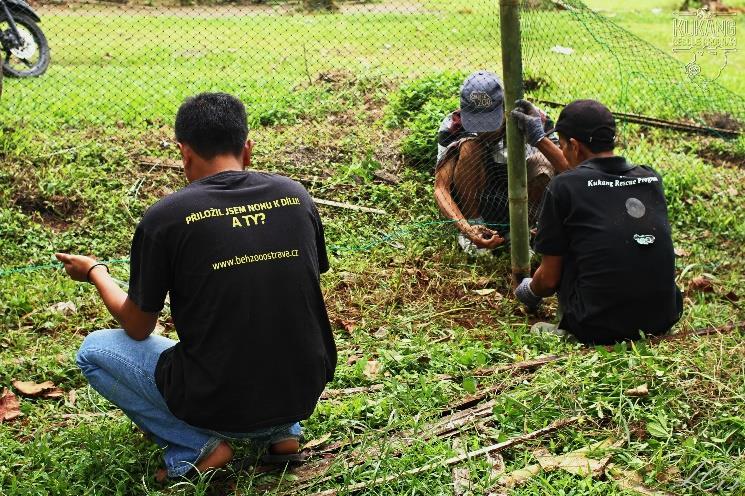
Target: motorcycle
<point x="24" y="46"/>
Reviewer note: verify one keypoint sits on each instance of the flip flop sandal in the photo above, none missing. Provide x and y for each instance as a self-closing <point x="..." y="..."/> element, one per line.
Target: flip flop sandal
<point x="190" y="476"/>
<point x="291" y="458"/>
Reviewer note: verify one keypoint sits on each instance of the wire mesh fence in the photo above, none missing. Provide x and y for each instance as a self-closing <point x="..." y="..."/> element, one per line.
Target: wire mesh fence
<point x="131" y="65"/>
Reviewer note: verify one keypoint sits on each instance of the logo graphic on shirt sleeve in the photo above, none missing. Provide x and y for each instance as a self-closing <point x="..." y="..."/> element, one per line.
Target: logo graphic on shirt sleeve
<point x="644" y="239"/>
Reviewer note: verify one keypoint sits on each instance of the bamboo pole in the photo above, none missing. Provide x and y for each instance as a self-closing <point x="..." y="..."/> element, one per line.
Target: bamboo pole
<point x="517" y="176"/>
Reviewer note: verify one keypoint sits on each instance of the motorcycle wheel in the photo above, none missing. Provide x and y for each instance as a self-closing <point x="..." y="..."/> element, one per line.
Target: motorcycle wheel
<point x="31" y="59"/>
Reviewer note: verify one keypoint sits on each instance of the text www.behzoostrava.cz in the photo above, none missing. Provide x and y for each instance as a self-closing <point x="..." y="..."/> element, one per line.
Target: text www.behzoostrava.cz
<point x="258" y="257"/>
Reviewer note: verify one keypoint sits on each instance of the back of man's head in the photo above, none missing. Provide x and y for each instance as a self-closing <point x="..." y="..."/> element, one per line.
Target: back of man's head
<point x="212" y="124"/>
<point x="589" y="122"/>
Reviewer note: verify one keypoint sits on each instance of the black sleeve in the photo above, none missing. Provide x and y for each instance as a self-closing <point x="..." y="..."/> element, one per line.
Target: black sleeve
<point x="551" y="238"/>
<point x="149" y="272"/>
<point x="323" y="259"/>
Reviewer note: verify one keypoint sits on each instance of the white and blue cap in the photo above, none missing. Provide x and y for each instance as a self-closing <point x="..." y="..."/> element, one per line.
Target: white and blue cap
<point x="482" y="102"/>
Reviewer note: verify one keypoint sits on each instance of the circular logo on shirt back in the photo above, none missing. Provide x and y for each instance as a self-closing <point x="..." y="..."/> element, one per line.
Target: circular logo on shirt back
<point x="635" y="208"/>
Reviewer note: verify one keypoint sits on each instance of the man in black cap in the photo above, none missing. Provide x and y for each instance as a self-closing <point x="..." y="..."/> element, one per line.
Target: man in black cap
<point x="471" y="172"/>
<point x="603" y="232"/>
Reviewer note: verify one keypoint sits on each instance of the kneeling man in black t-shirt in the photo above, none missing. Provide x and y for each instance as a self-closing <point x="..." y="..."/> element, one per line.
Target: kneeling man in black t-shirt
<point x="603" y="232"/>
<point x="239" y="255"/>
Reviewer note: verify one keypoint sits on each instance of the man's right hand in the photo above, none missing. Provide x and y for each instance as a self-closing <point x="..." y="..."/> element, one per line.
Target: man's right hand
<point x="483" y="237"/>
<point x="526" y="296"/>
<point x="530" y="121"/>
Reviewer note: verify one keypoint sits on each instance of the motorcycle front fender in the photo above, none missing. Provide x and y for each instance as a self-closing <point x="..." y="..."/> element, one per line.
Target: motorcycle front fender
<point x="21" y="7"/>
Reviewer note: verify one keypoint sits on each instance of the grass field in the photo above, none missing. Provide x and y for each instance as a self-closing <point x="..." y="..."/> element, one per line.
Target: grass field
<point x="415" y="319"/>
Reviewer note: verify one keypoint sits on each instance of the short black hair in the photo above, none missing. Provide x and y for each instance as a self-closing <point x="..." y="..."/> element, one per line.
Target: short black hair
<point x="212" y="124"/>
<point x="597" y="147"/>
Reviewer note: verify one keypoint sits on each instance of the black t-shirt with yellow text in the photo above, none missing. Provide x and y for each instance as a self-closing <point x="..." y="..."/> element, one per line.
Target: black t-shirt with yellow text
<point x="240" y="256"/>
<point x="607" y="219"/>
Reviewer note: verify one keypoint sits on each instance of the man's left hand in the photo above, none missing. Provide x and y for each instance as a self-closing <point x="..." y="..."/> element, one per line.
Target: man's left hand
<point x="483" y="237"/>
<point x="76" y="266"/>
<point x="530" y="120"/>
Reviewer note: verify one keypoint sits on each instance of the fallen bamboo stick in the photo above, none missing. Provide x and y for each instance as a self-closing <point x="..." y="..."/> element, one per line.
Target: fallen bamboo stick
<point x="444" y="428"/>
<point x="464" y="408"/>
<point x="449" y="424"/>
<point x="510" y="367"/>
<point x="454" y="460"/>
<point x="336" y="393"/>
<point x="699" y="332"/>
<point x="349" y="206"/>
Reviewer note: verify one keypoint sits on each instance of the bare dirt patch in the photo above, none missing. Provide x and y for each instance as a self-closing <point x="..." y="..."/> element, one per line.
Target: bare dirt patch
<point x="56" y="211"/>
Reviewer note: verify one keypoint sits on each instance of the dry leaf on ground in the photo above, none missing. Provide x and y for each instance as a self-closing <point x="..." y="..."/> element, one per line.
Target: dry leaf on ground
<point x="319" y="441"/>
<point x="702" y="284"/>
<point x="72" y="397"/>
<point x="642" y="390"/>
<point x="461" y="481"/>
<point x="574" y="462"/>
<point x="681" y="252"/>
<point x="483" y="292"/>
<point x="64" y="308"/>
<point x="519" y="476"/>
<point x="46" y="389"/>
<point x="497" y="464"/>
<point x="381" y="332"/>
<point x="10" y="406"/>
<point x="632" y="482"/>
<point x="732" y="296"/>
<point x="372" y="369"/>
<point x="347" y="325"/>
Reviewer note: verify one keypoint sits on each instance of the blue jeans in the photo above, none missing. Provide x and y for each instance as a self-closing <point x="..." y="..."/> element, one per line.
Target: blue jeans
<point x="122" y="370"/>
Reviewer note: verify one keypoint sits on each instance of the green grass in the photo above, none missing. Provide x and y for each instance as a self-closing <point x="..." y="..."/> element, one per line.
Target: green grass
<point x="399" y="291"/>
<point x="129" y="65"/>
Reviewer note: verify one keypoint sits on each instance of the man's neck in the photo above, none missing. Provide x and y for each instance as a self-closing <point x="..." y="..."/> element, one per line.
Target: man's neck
<point x="592" y="156"/>
<point x="220" y="163"/>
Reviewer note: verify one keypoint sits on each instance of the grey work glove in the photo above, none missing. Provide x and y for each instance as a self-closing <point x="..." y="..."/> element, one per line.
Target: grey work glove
<point x="529" y="121"/>
<point x="526" y="295"/>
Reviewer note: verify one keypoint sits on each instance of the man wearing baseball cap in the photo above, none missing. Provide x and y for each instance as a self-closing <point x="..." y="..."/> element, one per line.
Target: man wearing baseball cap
<point x="471" y="173"/>
<point x="603" y="232"/>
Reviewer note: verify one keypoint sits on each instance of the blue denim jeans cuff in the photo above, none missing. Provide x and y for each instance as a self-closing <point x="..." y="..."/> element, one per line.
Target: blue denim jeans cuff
<point x="263" y="438"/>
<point x="284" y="432"/>
<point x="179" y="469"/>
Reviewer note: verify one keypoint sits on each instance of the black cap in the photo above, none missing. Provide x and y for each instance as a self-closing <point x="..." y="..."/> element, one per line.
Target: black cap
<point x="587" y="121"/>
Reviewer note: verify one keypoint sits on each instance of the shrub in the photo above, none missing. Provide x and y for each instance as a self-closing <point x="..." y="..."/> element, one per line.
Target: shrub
<point x="419" y="147"/>
<point x="405" y="104"/>
<point x="419" y="107"/>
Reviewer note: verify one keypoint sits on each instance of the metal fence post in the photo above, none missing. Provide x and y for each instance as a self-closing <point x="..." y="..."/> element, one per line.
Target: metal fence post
<point x="517" y="176"/>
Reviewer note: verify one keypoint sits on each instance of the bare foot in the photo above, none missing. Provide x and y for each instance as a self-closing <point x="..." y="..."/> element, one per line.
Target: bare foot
<point x="286" y="447"/>
<point x="219" y="457"/>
